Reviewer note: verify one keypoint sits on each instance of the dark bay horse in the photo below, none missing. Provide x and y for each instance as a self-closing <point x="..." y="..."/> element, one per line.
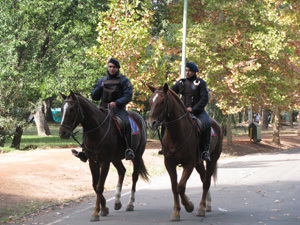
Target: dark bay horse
<point x="179" y="145"/>
<point x="103" y="145"/>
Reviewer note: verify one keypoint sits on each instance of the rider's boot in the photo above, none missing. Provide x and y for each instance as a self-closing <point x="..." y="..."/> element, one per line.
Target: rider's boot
<point x="129" y="154"/>
<point x="81" y="155"/>
<point x="205" y="154"/>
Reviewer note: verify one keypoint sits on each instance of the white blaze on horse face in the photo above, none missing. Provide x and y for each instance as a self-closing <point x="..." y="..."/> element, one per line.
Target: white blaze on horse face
<point x="154" y="98"/>
<point x="63" y="116"/>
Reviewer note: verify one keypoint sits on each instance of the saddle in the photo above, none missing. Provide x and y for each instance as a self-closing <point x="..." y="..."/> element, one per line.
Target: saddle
<point x="200" y="126"/>
<point x="121" y="125"/>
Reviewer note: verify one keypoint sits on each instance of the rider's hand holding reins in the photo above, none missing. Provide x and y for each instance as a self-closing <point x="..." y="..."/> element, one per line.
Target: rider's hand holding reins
<point x="112" y="105"/>
<point x="189" y="109"/>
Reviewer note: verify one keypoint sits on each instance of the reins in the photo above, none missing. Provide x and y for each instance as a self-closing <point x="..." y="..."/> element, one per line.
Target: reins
<point x="72" y="127"/>
<point x="166" y="108"/>
<point x="107" y="130"/>
<point x="108" y="116"/>
<point x="161" y="141"/>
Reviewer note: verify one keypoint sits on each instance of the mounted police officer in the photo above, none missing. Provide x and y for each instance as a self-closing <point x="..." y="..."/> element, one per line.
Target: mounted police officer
<point x="115" y="92"/>
<point x="194" y="94"/>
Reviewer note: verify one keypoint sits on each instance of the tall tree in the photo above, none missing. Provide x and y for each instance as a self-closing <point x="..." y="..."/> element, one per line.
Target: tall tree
<point x="124" y="33"/>
<point x="246" y="51"/>
<point x="43" y="48"/>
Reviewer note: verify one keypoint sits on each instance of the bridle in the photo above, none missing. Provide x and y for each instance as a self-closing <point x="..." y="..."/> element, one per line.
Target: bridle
<point x="76" y="122"/>
<point x="161" y="122"/>
<point x="166" y="110"/>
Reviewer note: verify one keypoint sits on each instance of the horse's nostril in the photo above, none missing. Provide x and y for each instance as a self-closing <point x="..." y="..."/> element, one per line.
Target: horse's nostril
<point x="153" y="125"/>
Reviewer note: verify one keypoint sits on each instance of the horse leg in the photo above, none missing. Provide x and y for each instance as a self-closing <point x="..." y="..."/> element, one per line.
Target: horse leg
<point x="171" y="168"/>
<point x="121" y="173"/>
<point x="201" y="170"/>
<point x="210" y="167"/>
<point x="104" y="211"/>
<point x="187" y="171"/>
<point x="208" y="201"/>
<point x="135" y="176"/>
<point x="95" y="171"/>
<point x="99" y="175"/>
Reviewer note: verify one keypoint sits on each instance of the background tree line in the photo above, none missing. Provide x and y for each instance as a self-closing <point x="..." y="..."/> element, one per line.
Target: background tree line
<point x="247" y="51"/>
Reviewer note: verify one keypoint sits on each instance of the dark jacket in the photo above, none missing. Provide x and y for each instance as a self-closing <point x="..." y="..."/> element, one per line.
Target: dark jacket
<point x="125" y="89"/>
<point x="194" y="93"/>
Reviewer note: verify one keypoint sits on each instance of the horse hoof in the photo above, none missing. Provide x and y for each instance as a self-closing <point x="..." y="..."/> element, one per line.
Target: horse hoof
<point x="130" y="208"/>
<point x="118" y="206"/>
<point x="201" y="213"/>
<point x="95" y="218"/>
<point x="175" y="217"/>
<point x="104" y="212"/>
<point x="208" y="209"/>
<point x="189" y="207"/>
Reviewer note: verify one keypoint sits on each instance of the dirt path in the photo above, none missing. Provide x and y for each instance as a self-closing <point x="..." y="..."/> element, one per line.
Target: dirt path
<point x="39" y="178"/>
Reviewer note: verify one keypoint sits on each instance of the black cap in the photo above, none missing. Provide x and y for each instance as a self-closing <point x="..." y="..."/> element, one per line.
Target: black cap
<point x="192" y="66"/>
<point x="115" y="62"/>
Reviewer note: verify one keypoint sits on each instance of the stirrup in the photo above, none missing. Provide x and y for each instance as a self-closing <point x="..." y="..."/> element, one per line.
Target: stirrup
<point x="129" y="154"/>
<point x="205" y="156"/>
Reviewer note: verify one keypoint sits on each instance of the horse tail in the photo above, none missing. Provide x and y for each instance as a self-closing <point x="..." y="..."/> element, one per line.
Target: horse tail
<point x="143" y="171"/>
<point x="141" y="168"/>
<point x="215" y="174"/>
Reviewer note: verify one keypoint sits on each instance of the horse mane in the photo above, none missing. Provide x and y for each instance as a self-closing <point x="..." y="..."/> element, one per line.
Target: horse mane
<point x="89" y="102"/>
<point x="177" y="98"/>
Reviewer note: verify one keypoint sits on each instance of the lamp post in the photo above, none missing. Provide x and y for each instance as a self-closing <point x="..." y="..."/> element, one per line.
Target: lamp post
<point x="183" y="60"/>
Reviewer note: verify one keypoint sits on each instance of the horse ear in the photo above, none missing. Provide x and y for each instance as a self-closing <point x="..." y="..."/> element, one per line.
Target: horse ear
<point x="166" y="87"/>
<point x="151" y="87"/>
<point x="72" y="94"/>
<point x="63" y="96"/>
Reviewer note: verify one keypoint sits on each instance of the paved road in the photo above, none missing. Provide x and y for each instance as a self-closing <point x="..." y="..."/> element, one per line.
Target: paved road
<point x="253" y="189"/>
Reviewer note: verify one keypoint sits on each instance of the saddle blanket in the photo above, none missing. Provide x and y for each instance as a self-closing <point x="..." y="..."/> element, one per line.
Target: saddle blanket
<point x="134" y="127"/>
<point x="213" y="133"/>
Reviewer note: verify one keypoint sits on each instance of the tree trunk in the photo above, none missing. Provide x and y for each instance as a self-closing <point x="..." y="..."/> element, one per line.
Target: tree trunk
<point x="240" y="117"/>
<point x="291" y="118"/>
<point x="48" y="112"/>
<point x="298" y="124"/>
<point x="276" y="128"/>
<point x="265" y="119"/>
<point x="272" y="117"/>
<point x="2" y="137"/>
<point x="250" y="115"/>
<point x="260" y="113"/>
<point x="229" y="132"/>
<point x="40" y="120"/>
<point x="17" y="138"/>
<point x="245" y="115"/>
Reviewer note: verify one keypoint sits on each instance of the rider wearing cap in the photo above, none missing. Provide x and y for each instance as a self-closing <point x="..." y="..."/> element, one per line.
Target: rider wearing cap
<point x="194" y="94"/>
<point x="115" y="92"/>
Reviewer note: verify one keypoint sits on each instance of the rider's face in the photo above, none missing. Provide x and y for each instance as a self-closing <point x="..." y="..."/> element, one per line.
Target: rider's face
<point x="112" y="69"/>
<point x="189" y="73"/>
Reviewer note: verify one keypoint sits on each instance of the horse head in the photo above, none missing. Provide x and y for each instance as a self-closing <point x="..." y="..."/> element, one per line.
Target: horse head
<point x="159" y="106"/>
<point x="71" y="115"/>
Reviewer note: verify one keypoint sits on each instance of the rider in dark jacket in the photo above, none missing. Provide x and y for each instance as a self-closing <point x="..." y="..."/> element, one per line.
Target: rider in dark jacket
<point x="115" y="92"/>
<point x="194" y="94"/>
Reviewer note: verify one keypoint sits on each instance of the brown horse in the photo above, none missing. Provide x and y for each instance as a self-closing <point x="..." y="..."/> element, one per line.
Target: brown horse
<point x="103" y="144"/>
<point x="179" y="145"/>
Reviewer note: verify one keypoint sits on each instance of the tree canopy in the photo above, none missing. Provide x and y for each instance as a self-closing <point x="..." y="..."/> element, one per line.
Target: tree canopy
<point x="247" y="51"/>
